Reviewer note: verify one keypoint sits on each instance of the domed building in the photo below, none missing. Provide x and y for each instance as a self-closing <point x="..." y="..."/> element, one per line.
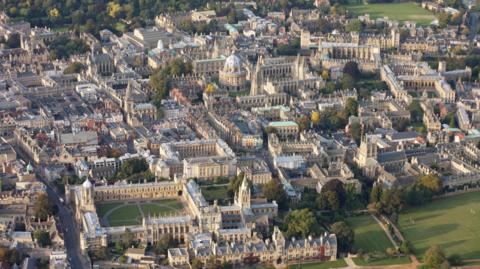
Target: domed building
<point x="233" y="76"/>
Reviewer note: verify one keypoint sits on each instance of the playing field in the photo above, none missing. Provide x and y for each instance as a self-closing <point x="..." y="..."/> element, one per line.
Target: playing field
<point x="453" y="223"/>
<point x="369" y="236"/>
<point x="395" y="11"/>
<point x="125" y="214"/>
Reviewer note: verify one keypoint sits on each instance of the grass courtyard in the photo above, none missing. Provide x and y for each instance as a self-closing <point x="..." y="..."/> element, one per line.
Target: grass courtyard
<point x="407" y="11"/>
<point x="215" y="192"/>
<point x="125" y="214"/>
<point x="452" y="223"/>
<point x="369" y="236"/>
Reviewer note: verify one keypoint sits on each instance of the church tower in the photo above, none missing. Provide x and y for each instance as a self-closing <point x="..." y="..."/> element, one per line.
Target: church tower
<point x="128" y="101"/>
<point x="242" y="198"/>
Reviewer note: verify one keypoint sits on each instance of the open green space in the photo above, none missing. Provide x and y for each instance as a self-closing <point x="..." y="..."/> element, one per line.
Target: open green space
<point x="120" y="213"/>
<point x="369" y="236"/>
<point x="451" y="222"/>
<point x="320" y="265"/>
<point x="407" y="11"/>
<point x="161" y="207"/>
<point x="381" y="262"/>
<point x="125" y="215"/>
<point x="215" y="192"/>
<point x="103" y="208"/>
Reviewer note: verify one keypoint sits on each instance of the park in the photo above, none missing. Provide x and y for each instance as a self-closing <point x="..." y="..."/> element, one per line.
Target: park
<point x="406" y="11"/>
<point x="452" y="223"/>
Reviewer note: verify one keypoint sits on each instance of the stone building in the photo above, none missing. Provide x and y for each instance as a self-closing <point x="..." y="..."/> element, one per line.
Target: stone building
<point x="233" y="76"/>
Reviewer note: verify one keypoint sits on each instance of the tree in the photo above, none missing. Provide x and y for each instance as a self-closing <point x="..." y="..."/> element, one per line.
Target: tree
<point x="74" y="67"/>
<point x="355" y="131"/>
<point x="435" y="257"/>
<point x="330" y="201"/>
<point x="303" y="123"/>
<point x="113" y="9"/>
<point x="432" y="182"/>
<point x="405" y="247"/>
<point x="315" y="117"/>
<point x="234" y="185"/>
<point x="54" y="13"/>
<point x="348" y="82"/>
<point x="335" y="186"/>
<point x="351" y="68"/>
<point x="274" y="191"/>
<point x="44" y="207"/>
<point x="325" y="74"/>
<point x="416" y="111"/>
<point x="376" y="193"/>
<point x="354" y="26"/>
<point x="166" y="241"/>
<point x="43" y="238"/>
<point x="210" y="88"/>
<point x="351" y="107"/>
<point x="289" y="49"/>
<point x="443" y="19"/>
<point x="391" y="201"/>
<point x="300" y="222"/>
<point x="455" y="260"/>
<point x="345" y="235"/>
<point x="130" y="167"/>
<point x="196" y="264"/>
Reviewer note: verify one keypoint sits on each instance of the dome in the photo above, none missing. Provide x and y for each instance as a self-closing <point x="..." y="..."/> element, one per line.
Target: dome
<point x="87" y="184"/>
<point x="232" y="64"/>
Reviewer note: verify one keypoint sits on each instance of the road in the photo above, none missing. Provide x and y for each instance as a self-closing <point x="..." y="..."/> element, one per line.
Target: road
<point x="66" y="225"/>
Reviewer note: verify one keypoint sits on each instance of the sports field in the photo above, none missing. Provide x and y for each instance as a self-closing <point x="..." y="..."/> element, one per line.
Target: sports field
<point x="369" y="236"/>
<point x="121" y="213"/>
<point x="407" y="11"/>
<point x="453" y="223"/>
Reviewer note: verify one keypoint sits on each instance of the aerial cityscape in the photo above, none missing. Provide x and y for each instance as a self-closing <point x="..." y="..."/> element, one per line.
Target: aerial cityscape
<point x="265" y="134"/>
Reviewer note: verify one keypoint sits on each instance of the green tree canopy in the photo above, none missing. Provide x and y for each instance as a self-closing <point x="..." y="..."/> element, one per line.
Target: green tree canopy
<point x="44" y="207"/>
<point x="274" y="191"/>
<point x="435" y="258"/>
<point x="345" y="235"/>
<point x="43" y="238"/>
<point x="300" y="222"/>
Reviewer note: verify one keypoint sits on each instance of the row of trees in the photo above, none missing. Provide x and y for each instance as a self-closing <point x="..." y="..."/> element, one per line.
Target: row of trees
<point x="303" y="222"/>
<point x="391" y="201"/>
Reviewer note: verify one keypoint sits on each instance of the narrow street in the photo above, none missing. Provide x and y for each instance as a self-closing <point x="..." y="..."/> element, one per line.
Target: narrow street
<point x="66" y="225"/>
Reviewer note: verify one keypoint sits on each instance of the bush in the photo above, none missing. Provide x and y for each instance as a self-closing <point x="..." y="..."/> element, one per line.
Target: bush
<point x="455" y="260"/>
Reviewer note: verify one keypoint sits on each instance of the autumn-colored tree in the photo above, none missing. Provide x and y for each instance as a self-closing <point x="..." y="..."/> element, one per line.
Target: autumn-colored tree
<point x="315" y="117"/>
<point x="210" y="88"/>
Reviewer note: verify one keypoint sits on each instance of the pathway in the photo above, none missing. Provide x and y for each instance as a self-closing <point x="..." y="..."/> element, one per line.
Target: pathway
<point x="386" y="231"/>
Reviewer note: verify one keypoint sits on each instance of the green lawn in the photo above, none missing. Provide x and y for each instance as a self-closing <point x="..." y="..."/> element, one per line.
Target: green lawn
<point x="125" y="215"/>
<point x="320" y="265"/>
<point x="407" y="11"/>
<point x="161" y="207"/>
<point x="369" y="236"/>
<point x="452" y="223"/>
<point x="388" y="261"/>
<point x="213" y="192"/>
<point x="102" y="209"/>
